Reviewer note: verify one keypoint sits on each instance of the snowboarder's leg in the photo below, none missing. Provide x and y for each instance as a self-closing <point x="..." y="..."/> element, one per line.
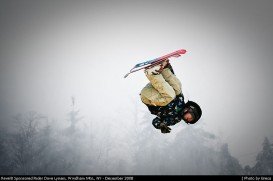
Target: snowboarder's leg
<point x="158" y="92"/>
<point x="172" y="80"/>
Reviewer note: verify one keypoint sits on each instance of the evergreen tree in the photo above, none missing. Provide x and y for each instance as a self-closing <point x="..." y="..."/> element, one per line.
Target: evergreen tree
<point x="73" y="140"/>
<point x="264" y="165"/>
<point x="73" y="118"/>
<point x="228" y="164"/>
<point x="247" y="170"/>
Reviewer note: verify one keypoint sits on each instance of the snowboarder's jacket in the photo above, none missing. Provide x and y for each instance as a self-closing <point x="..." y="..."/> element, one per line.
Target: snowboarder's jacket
<point x="164" y="98"/>
<point x="169" y="114"/>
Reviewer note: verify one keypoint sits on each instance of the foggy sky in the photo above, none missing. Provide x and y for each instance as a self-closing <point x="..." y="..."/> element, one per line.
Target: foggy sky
<point x="52" y="50"/>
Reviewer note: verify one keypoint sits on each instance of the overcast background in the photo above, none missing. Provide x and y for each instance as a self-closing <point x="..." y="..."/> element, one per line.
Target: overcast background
<point x="52" y="50"/>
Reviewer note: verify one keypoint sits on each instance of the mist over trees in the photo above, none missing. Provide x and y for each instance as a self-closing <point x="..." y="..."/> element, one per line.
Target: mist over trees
<point x="36" y="145"/>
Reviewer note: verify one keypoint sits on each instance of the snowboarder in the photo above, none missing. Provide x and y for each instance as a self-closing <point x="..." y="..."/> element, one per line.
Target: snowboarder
<point x="164" y="98"/>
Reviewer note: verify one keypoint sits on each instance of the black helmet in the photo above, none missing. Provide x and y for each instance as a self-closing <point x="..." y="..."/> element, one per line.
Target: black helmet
<point x="195" y="110"/>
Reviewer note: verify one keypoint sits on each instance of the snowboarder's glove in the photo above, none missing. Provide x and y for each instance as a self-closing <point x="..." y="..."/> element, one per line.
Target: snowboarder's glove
<point x="153" y="70"/>
<point x="164" y="128"/>
<point x="157" y="69"/>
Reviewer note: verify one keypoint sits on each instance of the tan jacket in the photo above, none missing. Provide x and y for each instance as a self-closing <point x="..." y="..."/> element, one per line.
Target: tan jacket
<point x="162" y="88"/>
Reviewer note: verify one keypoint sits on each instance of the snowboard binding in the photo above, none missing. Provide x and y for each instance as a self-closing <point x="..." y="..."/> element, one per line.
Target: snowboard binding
<point x="154" y="62"/>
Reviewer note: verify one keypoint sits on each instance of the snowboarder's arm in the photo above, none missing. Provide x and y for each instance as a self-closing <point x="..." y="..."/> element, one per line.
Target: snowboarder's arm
<point x="160" y="124"/>
<point x="156" y="122"/>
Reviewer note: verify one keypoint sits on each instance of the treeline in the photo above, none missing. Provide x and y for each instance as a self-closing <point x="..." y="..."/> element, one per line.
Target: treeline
<point x="34" y="145"/>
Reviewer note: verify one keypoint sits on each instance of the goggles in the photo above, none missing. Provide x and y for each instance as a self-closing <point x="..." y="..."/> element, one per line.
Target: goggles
<point x="192" y="111"/>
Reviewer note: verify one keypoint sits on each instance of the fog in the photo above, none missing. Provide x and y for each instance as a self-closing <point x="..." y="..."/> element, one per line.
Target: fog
<point x="51" y="51"/>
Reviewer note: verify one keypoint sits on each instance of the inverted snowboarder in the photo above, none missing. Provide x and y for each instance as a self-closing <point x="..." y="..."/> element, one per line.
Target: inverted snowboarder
<point x="164" y="98"/>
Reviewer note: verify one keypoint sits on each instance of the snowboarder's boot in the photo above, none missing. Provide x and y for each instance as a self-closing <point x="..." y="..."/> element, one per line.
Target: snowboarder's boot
<point x="170" y="67"/>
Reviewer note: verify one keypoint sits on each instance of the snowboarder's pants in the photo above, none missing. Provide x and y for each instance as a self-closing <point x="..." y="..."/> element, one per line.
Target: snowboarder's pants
<point x="162" y="88"/>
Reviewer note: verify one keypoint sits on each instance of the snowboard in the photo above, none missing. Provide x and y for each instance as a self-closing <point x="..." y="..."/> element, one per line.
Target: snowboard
<point x="151" y="63"/>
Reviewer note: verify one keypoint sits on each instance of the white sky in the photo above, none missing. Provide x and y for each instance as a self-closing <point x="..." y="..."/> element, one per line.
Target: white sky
<point x="51" y="51"/>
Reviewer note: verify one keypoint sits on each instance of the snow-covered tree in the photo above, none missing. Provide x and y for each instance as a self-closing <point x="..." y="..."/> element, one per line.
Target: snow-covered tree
<point x="228" y="164"/>
<point x="6" y="164"/>
<point x="24" y="147"/>
<point x="194" y="152"/>
<point x="264" y="165"/>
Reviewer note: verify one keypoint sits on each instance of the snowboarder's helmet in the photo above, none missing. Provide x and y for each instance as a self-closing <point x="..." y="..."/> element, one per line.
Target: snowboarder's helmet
<point x="195" y="110"/>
